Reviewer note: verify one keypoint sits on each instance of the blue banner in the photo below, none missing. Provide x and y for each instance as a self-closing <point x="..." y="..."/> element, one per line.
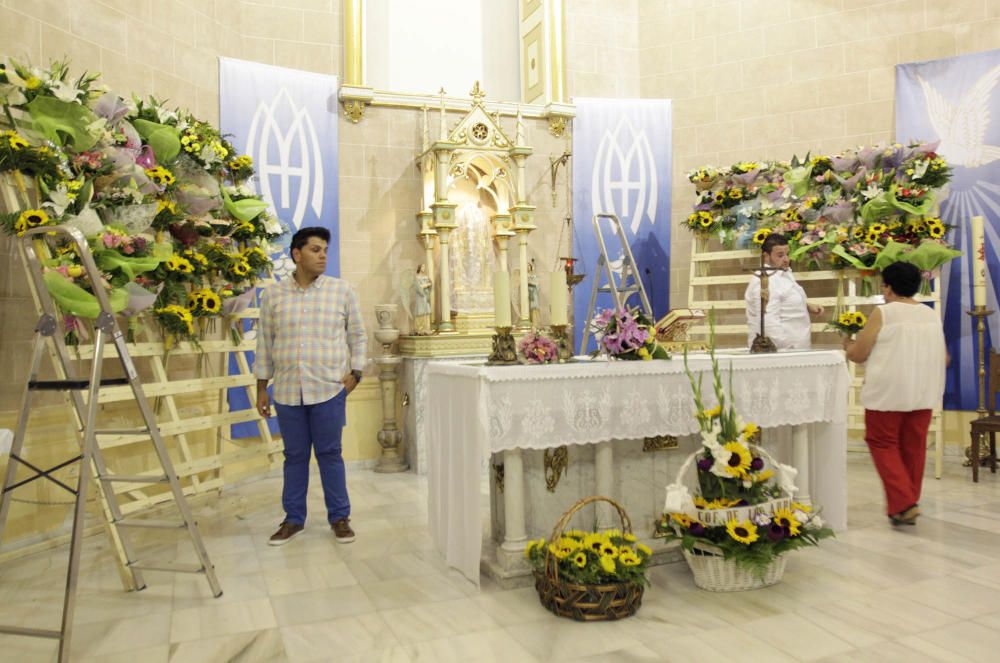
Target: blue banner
<point x="622" y="166"/>
<point x="286" y="120"/>
<point x="956" y="101"/>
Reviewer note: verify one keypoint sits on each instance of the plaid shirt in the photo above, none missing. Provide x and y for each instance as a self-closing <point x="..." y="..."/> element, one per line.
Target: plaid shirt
<point x="309" y="338"/>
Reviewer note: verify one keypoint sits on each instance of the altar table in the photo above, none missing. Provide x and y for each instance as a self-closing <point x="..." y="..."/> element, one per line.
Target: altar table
<point x="476" y="410"/>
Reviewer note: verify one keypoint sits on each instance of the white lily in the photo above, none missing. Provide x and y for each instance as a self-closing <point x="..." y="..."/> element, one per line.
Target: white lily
<point x="872" y="191"/>
<point x="64" y="91"/>
<point x="786" y="478"/>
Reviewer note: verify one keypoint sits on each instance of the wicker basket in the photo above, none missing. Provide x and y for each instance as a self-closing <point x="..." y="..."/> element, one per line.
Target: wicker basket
<point x="586" y="603"/>
<point x="714" y="573"/>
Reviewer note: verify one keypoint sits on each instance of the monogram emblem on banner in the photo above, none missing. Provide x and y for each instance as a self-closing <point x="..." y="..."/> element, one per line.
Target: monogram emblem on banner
<point x="283" y="143"/>
<point x="624" y="164"/>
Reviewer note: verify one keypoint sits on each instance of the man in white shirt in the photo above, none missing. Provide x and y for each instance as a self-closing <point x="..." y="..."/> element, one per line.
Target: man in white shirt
<point x="786" y="320"/>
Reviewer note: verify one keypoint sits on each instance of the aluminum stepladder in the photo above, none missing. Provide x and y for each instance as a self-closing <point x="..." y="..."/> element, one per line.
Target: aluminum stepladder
<point x="628" y="282"/>
<point x="90" y="457"/>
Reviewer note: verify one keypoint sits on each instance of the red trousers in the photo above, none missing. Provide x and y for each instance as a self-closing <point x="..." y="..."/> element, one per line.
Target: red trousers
<point x="898" y="444"/>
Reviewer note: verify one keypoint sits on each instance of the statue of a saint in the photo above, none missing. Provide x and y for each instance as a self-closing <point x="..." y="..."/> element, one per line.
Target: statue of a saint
<point x="422" y="298"/>
<point x="534" y="301"/>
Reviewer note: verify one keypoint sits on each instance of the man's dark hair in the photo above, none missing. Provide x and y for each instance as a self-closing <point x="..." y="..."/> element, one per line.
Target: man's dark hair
<point x="301" y="237"/>
<point x="904" y="278"/>
<point x="773" y="240"/>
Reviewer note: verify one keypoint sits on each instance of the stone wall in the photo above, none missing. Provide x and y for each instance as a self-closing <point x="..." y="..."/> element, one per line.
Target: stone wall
<point x="766" y="79"/>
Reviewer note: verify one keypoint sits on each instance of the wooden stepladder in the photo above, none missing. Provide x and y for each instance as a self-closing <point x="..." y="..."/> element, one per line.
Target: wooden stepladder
<point x="84" y="393"/>
<point x="622" y="275"/>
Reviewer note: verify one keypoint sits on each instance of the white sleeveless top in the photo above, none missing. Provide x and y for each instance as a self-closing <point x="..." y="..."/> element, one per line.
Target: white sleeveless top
<point x="905" y="370"/>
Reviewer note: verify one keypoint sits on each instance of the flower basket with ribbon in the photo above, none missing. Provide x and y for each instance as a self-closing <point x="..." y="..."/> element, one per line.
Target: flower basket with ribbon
<point x="593" y="576"/>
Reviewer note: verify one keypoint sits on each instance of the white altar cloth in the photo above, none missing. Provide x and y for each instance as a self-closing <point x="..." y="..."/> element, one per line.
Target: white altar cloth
<point x="477" y="410"/>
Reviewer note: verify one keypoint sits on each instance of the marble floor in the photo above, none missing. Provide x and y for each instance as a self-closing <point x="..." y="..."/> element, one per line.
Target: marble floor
<point x="924" y="593"/>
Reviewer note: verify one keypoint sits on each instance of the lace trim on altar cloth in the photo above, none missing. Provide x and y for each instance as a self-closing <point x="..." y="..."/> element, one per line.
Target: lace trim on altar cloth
<point x="583" y="368"/>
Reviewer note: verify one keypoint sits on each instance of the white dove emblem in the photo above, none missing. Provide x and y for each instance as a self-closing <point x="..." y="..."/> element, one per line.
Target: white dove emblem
<point x="962" y="127"/>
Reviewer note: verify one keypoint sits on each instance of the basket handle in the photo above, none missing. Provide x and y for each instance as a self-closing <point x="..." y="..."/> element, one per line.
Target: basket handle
<point x="552" y="569"/>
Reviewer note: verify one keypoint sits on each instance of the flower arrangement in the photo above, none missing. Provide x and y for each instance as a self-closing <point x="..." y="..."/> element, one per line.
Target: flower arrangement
<point x="593" y="557"/>
<point x="160" y="195"/>
<point x="743" y="511"/>
<point x="537" y="349"/>
<point x="626" y="334"/>
<point x="837" y="211"/>
<point x="849" y="322"/>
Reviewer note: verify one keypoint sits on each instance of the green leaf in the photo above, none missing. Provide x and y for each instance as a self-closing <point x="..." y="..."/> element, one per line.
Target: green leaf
<point x="62" y="122"/>
<point x="162" y="138"/>
<point x="245" y="209"/>
<point x="74" y="300"/>
<point x="131" y="266"/>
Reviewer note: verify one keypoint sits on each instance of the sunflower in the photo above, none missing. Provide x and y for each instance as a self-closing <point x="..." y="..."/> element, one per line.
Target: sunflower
<point x="858" y="232"/>
<point x="176" y="263"/>
<point x="609" y="550"/>
<point x="705" y="219"/>
<point x="761" y="235"/>
<point x="846" y="318"/>
<point x="630" y="537"/>
<point x="580" y="559"/>
<point x="682" y="519"/>
<point x="878" y="228"/>
<point x="210" y="302"/>
<point x="644" y="549"/>
<point x="608" y="564"/>
<point x="720" y="197"/>
<point x="871" y="237"/>
<point x="744" y="532"/>
<point x="557" y="552"/>
<point x="859" y="319"/>
<point x="33" y="218"/>
<point x="763" y="476"/>
<point x="630" y="559"/>
<point x="735" y="194"/>
<point x="787" y="519"/>
<point x="15" y="141"/>
<point x="241" y="268"/>
<point x="935" y="230"/>
<point x="739" y="459"/>
<point x="712" y="412"/>
<point x="593" y="542"/>
<point x="160" y="176"/>
<point x="750" y="430"/>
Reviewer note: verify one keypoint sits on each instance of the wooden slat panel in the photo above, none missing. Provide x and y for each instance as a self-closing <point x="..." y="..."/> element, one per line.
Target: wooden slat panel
<point x="193" y="386"/>
<point x="184" y="426"/>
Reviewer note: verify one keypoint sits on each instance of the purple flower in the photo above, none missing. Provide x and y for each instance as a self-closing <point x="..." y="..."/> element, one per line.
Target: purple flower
<point x="757" y="464"/>
<point x="697" y="529"/>
<point x="775" y="532"/>
<point x="705" y="464"/>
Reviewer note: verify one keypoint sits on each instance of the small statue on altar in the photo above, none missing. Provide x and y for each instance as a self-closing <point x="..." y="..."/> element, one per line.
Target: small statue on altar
<point x="534" y="298"/>
<point x="423" y="289"/>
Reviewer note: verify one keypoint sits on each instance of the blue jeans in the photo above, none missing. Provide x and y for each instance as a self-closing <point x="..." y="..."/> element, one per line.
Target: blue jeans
<point x="319" y="427"/>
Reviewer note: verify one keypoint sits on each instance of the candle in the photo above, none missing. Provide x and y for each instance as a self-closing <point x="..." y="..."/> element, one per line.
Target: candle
<point x="501" y="298"/>
<point x="559" y="298"/>
<point x="978" y="263"/>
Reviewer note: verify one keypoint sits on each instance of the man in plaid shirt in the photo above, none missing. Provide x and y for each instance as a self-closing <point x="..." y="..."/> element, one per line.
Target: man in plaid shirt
<point x="311" y="342"/>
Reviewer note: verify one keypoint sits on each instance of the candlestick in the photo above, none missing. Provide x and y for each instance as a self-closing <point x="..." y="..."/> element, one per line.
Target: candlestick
<point x="501" y="299"/>
<point x="559" y="298"/>
<point x="978" y="263"/>
<point x="980" y="313"/>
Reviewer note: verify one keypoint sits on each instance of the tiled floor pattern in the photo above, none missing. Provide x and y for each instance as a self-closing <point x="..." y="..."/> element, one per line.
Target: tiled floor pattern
<point x="925" y="593"/>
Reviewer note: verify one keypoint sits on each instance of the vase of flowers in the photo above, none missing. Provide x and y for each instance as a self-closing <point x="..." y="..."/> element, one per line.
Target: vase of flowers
<point x="626" y="334"/>
<point x="736" y="528"/>
<point x="535" y="348"/>
<point x="590" y="576"/>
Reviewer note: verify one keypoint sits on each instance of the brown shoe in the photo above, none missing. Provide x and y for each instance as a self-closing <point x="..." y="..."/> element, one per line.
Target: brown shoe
<point x="286" y="532"/>
<point x="342" y="530"/>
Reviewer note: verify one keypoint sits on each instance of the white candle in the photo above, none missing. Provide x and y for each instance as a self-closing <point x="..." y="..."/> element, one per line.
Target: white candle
<point x="559" y="297"/>
<point x="501" y="298"/>
<point x="978" y="263"/>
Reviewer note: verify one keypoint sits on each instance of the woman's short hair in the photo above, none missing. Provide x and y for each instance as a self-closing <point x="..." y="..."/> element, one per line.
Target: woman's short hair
<point x="903" y="277"/>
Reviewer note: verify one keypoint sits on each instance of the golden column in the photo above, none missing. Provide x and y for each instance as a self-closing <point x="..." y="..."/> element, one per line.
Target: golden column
<point x="353" y="93"/>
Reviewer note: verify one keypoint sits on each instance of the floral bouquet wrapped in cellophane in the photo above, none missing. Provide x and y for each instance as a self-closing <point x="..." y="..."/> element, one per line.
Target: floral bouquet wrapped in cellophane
<point x="626" y="334"/>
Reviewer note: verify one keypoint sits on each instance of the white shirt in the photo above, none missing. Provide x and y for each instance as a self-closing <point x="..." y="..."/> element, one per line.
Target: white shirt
<point x="787" y="316"/>
<point x="905" y="370"/>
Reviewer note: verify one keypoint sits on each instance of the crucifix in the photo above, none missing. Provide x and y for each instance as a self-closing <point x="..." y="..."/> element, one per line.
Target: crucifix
<point x="763" y="343"/>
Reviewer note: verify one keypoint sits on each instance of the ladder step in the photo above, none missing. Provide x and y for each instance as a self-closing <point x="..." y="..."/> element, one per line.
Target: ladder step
<point x="67" y="385"/>
<point x="136" y="478"/>
<point x="154" y="524"/>
<point x="32" y="632"/>
<point x="122" y="431"/>
<point x="170" y="567"/>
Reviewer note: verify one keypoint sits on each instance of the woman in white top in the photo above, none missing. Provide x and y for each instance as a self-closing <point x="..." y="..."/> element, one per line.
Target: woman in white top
<point x="903" y="345"/>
